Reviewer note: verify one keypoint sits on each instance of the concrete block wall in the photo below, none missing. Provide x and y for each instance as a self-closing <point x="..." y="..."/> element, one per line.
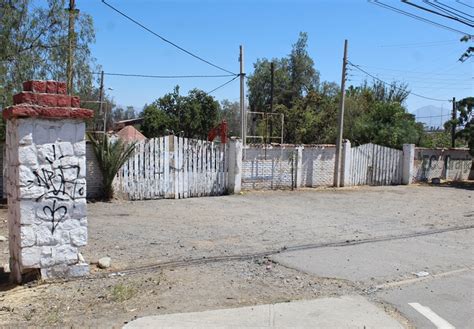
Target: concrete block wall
<point x="278" y="167"/>
<point x="269" y="168"/>
<point x="94" y="174"/>
<point x="318" y="165"/>
<point x="450" y="164"/>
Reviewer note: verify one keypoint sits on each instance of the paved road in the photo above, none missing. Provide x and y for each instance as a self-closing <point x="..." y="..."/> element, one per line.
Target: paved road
<point x="449" y="296"/>
<point x="344" y="312"/>
<point x="446" y="294"/>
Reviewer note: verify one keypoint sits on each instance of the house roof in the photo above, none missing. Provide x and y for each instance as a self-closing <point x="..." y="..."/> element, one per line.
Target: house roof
<point x="130" y="134"/>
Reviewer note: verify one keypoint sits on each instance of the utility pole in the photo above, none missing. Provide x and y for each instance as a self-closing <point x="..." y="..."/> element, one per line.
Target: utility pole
<point x="340" y="122"/>
<point x="272" y="85"/>
<point x="71" y="45"/>
<point x="453" y="125"/>
<point x="101" y="95"/>
<point x="243" y="116"/>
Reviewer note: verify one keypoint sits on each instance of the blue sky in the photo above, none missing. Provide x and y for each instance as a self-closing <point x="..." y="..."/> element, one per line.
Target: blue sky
<point x="386" y="44"/>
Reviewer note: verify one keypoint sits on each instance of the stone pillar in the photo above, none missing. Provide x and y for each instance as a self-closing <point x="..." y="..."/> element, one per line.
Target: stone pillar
<point x="408" y="163"/>
<point x="346" y="163"/>
<point x="235" y="166"/>
<point x="46" y="181"/>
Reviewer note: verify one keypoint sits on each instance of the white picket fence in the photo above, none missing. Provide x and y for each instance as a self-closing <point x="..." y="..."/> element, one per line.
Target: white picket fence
<point x="373" y="164"/>
<point x="174" y="168"/>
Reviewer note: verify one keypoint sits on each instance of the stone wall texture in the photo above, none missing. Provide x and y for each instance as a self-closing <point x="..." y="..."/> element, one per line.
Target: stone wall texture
<point x="46" y="182"/>
<point x="93" y="177"/>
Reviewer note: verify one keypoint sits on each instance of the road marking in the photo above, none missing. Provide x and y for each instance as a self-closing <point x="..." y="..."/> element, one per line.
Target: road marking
<point x="438" y="321"/>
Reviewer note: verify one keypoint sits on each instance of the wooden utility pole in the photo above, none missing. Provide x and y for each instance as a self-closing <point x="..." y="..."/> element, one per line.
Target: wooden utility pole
<point x="453" y="125"/>
<point x="243" y="116"/>
<point x="71" y="45"/>
<point x="340" y="122"/>
<point x="101" y="96"/>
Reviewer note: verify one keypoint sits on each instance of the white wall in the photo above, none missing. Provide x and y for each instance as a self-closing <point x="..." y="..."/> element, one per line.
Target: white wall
<point x="431" y="163"/>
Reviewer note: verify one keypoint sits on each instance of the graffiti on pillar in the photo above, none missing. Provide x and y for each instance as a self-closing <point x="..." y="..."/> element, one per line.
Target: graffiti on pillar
<point x="61" y="183"/>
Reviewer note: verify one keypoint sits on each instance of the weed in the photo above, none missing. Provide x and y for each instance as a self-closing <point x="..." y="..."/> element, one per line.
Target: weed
<point x="121" y="293"/>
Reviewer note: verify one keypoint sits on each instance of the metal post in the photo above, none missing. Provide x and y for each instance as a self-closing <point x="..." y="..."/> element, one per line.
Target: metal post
<point x="340" y="122"/>
<point x="272" y="83"/>
<point x="453" y="125"/>
<point x="243" y="116"/>
<point x="71" y="45"/>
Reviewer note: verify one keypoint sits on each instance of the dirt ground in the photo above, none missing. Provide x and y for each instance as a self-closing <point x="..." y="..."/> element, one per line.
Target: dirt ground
<point x="206" y="253"/>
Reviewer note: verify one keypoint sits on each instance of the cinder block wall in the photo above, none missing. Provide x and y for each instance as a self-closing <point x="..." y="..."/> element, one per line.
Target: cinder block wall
<point x="431" y="163"/>
<point x="93" y="173"/>
<point x="268" y="168"/>
<point x="271" y="168"/>
<point x="318" y="165"/>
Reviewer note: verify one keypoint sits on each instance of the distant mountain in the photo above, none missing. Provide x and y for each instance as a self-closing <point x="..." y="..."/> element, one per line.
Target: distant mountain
<point x="432" y="116"/>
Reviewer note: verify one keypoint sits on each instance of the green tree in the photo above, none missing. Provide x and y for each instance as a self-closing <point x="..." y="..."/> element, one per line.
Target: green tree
<point x="294" y="77"/>
<point x="375" y="114"/>
<point x="120" y="114"/>
<point x="466" y="122"/>
<point x="230" y="112"/>
<point x="191" y="116"/>
<point x="33" y="39"/>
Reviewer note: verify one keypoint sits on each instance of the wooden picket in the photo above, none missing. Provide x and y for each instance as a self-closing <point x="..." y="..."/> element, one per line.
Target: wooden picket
<point x="373" y="164"/>
<point x="174" y="167"/>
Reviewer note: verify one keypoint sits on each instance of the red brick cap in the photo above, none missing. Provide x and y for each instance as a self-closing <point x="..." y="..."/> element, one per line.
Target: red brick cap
<point x="26" y="111"/>
<point x="46" y="99"/>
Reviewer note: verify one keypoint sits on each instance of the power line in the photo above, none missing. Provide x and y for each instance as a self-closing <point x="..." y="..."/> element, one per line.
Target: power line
<point x="222" y="85"/>
<point x="405" y="13"/>
<point x="433" y="116"/>
<point x="420" y="44"/>
<point x="457" y="19"/>
<point x="410" y="92"/>
<point x="166" y="76"/>
<point x="461" y="13"/>
<point x="465" y="4"/>
<point x="166" y="40"/>
<point x="413" y="72"/>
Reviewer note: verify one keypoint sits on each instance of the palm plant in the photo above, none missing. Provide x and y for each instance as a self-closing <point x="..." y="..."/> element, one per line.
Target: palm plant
<point x="111" y="156"/>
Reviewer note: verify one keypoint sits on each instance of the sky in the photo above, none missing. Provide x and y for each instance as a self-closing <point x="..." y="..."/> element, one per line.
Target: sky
<point x="386" y="44"/>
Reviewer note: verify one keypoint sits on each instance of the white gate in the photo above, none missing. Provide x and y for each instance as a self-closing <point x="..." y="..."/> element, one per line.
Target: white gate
<point x="174" y="167"/>
<point x="376" y="165"/>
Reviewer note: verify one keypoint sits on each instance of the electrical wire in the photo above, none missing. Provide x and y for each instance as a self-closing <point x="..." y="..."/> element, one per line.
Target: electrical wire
<point x="433" y="116"/>
<point x="166" y="40"/>
<point x="457" y="19"/>
<point x="224" y="84"/>
<point x="166" y="76"/>
<point x="421" y="44"/>
<point x="391" y="84"/>
<point x="465" y="4"/>
<point x="447" y="10"/>
<point x="405" y="13"/>
<point x="412" y="72"/>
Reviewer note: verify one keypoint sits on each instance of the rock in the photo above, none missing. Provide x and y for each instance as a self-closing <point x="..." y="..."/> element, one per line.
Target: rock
<point x="2" y="238"/>
<point x="104" y="262"/>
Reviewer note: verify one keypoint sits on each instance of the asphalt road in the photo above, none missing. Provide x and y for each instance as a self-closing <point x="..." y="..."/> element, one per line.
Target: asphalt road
<point x="442" y="299"/>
